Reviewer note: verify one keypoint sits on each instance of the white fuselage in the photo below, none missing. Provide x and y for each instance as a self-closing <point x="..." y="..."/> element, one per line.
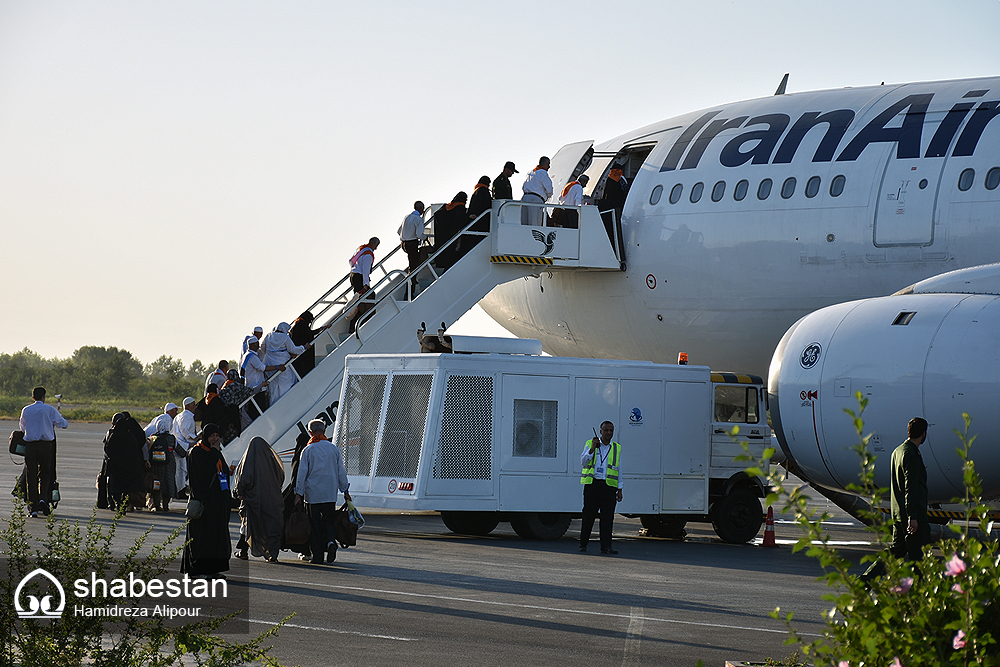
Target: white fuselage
<point x="723" y="276"/>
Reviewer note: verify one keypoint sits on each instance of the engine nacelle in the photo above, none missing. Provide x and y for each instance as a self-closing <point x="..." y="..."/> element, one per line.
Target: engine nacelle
<point x="934" y="355"/>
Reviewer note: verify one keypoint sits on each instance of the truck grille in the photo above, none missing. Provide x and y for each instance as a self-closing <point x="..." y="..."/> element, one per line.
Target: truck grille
<point x="466" y="443"/>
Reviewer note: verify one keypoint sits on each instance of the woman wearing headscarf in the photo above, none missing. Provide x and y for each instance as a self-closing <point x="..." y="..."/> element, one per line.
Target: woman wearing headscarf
<point x="279" y="350"/>
<point x="232" y="394"/>
<point x="214" y="410"/>
<point x="449" y="221"/>
<point x="301" y="442"/>
<point x="209" y="547"/>
<point x="302" y="335"/>
<point x="126" y="462"/>
<point x="257" y="483"/>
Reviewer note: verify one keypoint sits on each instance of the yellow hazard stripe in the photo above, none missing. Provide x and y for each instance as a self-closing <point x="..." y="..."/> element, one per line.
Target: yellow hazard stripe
<point x="519" y="259"/>
<point x="947" y="514"/>
<point x="737" y="378"/>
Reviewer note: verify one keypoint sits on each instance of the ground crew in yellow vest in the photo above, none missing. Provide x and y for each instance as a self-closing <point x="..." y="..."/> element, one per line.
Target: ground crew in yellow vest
<point x="602" y="488"/>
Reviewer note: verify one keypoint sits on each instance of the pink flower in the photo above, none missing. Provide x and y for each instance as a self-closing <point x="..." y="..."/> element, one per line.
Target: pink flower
<point x="843" y="663"/>
<point x="959" y="640"/>
<point x="895" y="662"/>
<point x="955" y="567"/>
<point x="904" y="586"/>
<point x="958" y="589"/>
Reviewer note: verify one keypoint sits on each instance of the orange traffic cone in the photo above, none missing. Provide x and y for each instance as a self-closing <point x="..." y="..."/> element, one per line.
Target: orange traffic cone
<point x="769" y="529"/>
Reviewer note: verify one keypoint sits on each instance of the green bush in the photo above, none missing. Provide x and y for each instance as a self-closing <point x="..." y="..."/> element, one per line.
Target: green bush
<point x="69" y="551"/>
<point x="926" y="613"/>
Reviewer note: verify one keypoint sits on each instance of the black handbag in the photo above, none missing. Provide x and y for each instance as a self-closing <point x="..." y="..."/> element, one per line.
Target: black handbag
<point x="17" y="443"/>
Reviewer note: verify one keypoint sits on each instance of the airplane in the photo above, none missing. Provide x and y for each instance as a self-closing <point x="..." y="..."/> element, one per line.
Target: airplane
<point x="930" y="350"/>
<point x="745" y="218"/>
<point x="739" y="221"/>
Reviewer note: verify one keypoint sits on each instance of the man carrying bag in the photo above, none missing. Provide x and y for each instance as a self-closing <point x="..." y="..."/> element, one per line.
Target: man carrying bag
<point x="321" y="475"/>
<point x="38" y="421"/>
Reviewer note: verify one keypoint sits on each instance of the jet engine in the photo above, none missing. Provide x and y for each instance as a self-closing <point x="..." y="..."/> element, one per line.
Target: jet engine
<point x="931" y="350"/>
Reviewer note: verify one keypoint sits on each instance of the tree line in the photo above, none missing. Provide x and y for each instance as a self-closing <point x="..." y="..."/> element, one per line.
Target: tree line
<point x="101" y="373"/>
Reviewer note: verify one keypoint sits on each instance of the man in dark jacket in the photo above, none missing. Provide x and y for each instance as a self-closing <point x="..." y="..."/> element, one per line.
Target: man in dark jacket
<point x="501" y="184"/>
<point x="908" y="489"/>
<point x="480" y="202"/>
<point x="910" y="530"/>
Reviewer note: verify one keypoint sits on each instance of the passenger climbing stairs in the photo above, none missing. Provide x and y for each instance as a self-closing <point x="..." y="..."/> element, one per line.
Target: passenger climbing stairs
<point x="509" y="250"/>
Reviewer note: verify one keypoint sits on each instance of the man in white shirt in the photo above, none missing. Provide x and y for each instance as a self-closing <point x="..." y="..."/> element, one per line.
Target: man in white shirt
<point x="185" y="432"/>
<point x="572" y="195"/>
<point x="254" y="372"/>
<point x="162" y="423"/>
<point x="38" y="421"/>
<point x="602" y="489"/>
<point x="361" y="266"/>
<point x="411" y="233"/>
<point x="258" y="333"/>
<point x="218" y="376"/>
<point x="321" y="475"/>
<point x="537" y="189"/>
<point x="280" y="350"/>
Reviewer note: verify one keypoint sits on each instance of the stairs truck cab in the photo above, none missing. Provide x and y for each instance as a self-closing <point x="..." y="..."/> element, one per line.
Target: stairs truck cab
<point x="496" y="435"/>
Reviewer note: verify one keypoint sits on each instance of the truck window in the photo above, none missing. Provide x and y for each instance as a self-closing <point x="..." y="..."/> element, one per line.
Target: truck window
<point x="535" y="428"/>
<point x="736" y="404"/>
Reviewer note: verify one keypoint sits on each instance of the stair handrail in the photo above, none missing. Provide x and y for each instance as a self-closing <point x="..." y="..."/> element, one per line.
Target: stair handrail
<point x="386" y="278"/>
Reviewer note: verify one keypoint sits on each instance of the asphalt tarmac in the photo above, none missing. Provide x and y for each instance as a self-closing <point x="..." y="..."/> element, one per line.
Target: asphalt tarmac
<point x="413" y="593"/>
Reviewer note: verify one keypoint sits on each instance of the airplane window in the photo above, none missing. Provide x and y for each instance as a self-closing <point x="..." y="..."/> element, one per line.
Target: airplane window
<point x="764" y="189"/>
<point x="837" y="186"/>
<point x="788" y="187"/>
<point x="718" y="191"/>
<point x="922" y="184"/>
<point x="965" y="179"/>
<point x="993" y="178"/>
<point x="812" y="187"/>
<point x="740" y="191"/>
<point x="654" y="196"/>
<point x="696" y="191"/>
<point x="675" y="193"/>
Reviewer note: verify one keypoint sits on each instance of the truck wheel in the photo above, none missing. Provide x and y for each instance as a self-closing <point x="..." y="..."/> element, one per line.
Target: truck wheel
<point x="737" y="516"/>
<point x="540" y="525"/>
<point x="660" y="525"/>
<point x="470" y="523"/>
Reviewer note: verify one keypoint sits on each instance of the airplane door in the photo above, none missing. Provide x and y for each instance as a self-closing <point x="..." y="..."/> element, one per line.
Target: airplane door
<point x="568" y="163"/>
<point x="904" y="215"/>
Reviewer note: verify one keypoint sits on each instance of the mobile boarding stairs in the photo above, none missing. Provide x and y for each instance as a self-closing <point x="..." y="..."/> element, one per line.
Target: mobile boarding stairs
<point x="508" y="251"/>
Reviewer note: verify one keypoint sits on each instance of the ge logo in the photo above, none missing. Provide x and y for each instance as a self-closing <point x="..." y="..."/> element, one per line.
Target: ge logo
<point x="810" y="355"/>
<point x="392" y="486"/>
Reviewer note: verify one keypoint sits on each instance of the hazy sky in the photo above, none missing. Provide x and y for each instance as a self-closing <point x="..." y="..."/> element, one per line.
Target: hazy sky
<point x="174" y="173"/>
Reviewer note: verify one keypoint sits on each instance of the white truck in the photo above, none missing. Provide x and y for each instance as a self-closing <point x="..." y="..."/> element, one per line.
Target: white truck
<point x="497" y="434"/>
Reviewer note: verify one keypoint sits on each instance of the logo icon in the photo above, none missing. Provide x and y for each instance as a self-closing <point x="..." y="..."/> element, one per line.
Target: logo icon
<point x="39" y="608"/>
<point x="392" y="486"/>
<point x="810" y="355"/>
<point x="636" y="416"/>
<point x="549" y="242"/>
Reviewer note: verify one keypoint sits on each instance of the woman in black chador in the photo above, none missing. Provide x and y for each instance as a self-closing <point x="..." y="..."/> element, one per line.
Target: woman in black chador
<point x="209" y="546"/>
<point x="126" y="466"/>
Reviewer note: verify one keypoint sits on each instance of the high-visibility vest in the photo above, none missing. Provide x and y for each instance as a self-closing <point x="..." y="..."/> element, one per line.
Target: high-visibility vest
<point x="612" y="475"/>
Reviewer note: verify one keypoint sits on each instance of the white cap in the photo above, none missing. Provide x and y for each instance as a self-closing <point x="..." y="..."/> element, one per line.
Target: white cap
<point x="170" y="406"/>
<point x="259" y="330"/>
<point x="188" y="401"/>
